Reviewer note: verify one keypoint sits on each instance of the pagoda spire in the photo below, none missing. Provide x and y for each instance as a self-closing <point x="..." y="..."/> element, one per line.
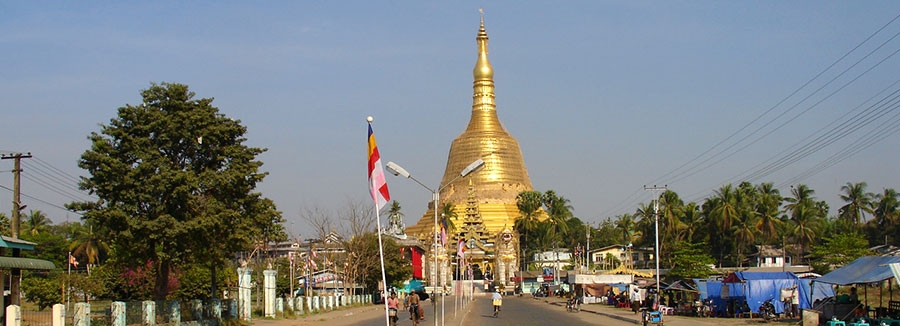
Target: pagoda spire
<point x="504" y="174"/>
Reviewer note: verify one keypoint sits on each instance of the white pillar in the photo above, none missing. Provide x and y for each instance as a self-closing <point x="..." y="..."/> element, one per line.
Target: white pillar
<point x="269" y="292"/>
<point x="59" y="314"/>
<point x="13" y="315"/>
<point x="117" y="309"/>
<point x="82" y="316"/>
<point x="148" y="312"/>
<point x="244" y="293"/>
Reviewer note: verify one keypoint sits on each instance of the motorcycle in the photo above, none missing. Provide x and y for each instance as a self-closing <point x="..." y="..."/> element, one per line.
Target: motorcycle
<point x="573" y="305"/>
<point x="392" y="313"/>
<point x="767" y="310"/>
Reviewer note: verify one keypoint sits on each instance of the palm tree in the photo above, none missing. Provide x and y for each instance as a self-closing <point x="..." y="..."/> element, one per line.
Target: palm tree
<point x="858" y="202"/>
<point x="529" y="205"/>
<point x="87" y="244"/>
<point x="559" y="212"/>
<point x="36" y="221"/>
<point x="625" y="223"/>
<point x="886" y="210"/>
<point x="744" y="234"/>
<point x="670" y="216"/>
<point x="725" y="213"/>
<point x="448" y="215"/>
<point x="693" y="220"/>
<point x="768" y="207"/>
<point x="805" y="226"/>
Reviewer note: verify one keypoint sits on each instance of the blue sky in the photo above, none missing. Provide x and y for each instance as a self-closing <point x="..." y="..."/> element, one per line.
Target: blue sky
<point x="604" y="97"/>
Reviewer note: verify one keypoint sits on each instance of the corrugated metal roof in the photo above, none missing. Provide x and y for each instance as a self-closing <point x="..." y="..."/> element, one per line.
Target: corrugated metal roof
<point x="25" y="263"/>
<point x="10" y="242"/>
<point x="868" y="269"/>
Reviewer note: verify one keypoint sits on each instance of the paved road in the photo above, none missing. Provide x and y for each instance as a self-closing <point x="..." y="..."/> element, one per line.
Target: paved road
<point x="516" y="311"/>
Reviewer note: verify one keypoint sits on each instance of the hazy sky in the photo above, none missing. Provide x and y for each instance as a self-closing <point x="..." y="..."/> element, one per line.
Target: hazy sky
<point x="603" y="97"/>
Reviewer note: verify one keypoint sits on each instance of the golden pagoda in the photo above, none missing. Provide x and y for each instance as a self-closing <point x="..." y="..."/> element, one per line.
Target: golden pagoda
<point x="487" y="196"/>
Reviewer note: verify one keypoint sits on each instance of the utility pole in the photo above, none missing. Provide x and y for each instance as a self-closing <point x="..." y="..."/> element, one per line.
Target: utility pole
<point x="656" y="191"/>
<point x="587" y="249"/>
<point x="17" y="203"/>
<point x="15" y="273"/>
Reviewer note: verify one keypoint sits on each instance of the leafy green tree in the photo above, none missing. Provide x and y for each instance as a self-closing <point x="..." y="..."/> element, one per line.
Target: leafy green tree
<point x="690" y="261"/>
<point x="838" y="250"/>
<point x="42" y="291"/>
<point x="4" y="225"/>
<point x="48" y="246"/>
<point x="395" y="268"/>
<point x="176" y="184"/>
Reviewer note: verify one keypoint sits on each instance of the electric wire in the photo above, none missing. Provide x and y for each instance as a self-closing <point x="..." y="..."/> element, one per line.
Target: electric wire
<point x="41" y="200"/>
<point x="685" y="173"/>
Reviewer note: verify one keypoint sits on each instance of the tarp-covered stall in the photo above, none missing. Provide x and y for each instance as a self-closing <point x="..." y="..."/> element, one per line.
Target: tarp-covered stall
<point x="863" y="270"/>
<point x="869" y="269"/>
<point x="754" y="288"/>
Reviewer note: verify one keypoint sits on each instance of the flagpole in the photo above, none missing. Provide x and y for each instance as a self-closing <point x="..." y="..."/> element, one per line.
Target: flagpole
<point x="68" y="280"/>
<point x="374" y="188"/>
<point x="387" y="320"/>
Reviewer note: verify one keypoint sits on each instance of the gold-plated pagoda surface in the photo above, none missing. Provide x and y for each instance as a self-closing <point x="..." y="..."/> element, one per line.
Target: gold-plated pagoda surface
<point x="504" y="174"/>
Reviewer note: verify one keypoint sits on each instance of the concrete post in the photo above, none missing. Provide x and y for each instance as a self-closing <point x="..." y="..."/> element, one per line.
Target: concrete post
<point x="317" y="303"/>
<point x="117" y="309"/>
<point x="269" y="293"/>
<point x="215" y="310"/>
<point x="13" y="315"/>
<point x="174" y="312"/>
<point x="279" y="306"/>
<point x="148" y="312"/>
<point x="244" y="293"/>
<point x="82" y="315"/>
<point x="196" y="307"/>
<point x="298" y="302"/>
<point x="232" y="308"/>
<point x="59" y="314"/>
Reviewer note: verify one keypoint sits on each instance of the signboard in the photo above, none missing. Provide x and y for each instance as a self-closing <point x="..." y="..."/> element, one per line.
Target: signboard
<point x="540" y="279"/>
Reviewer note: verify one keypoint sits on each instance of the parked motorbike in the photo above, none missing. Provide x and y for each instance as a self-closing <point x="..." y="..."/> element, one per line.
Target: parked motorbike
<point x="704" y="308"/>
<point x="767" y="310"/>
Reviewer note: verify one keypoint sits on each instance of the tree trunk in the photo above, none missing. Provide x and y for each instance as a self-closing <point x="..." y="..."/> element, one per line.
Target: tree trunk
<point x="212" y="275"/>
<point x="162" y="281"/>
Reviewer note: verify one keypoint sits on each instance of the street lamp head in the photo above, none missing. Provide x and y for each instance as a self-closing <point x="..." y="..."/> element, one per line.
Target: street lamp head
<point x="472" y="167"/>
<point x="395" y="169"/>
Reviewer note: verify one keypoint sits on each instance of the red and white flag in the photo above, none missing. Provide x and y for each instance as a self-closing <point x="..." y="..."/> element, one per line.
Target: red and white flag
<point x="73" y="261"/>
<point x="377" y="183"/>
<point x="461" y="248"/>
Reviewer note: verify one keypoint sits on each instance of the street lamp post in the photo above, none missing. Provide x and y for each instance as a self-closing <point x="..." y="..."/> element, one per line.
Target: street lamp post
<point x="397" y="170"/>
<point x="656" y="227"/>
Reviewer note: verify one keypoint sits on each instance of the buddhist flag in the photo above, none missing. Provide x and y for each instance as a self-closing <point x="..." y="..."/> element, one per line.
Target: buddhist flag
<point x="377" y="183"/>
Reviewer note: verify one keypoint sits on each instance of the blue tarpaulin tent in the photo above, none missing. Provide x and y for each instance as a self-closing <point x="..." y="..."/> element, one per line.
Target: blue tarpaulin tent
<point x="755" y="288"/>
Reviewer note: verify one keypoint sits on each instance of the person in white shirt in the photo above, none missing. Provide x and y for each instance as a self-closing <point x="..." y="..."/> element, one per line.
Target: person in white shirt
<point x="497" y="301"/>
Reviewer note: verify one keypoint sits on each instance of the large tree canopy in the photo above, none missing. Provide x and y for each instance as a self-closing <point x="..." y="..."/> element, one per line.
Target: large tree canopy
<point x="176" y="184"/>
